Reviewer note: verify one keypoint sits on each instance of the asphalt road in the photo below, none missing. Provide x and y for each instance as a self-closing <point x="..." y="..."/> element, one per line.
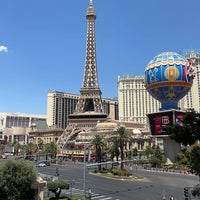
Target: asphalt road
<point x="154" y="186"/>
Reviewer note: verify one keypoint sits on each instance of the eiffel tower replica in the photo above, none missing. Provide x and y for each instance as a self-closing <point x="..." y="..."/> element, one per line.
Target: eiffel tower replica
<point x="89" y="110"/>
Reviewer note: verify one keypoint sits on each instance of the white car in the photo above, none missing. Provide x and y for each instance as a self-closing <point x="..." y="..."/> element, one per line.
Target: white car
<point x="41" y="164"/>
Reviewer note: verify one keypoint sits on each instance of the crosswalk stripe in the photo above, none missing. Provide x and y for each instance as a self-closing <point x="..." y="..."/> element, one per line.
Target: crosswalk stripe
<point x="94" y="196"/>
<point x="97" y="197"/>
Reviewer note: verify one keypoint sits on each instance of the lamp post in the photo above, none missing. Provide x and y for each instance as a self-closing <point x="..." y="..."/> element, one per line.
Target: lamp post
<point x="57" y="173"/>
<point x="84" y="163"/>
<point x="84" y="170"/>
<point x="72" y="182"/>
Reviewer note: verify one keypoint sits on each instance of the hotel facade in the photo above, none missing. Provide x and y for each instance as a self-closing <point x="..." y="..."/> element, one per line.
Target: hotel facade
<point x="16" y="126"/>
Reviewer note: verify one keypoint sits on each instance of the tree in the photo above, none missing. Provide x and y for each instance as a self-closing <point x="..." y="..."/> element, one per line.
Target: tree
<point x="188" y="131"/>
<point x="2" y="147"/>
<point x="30" y="149"/>
<point x="57" y="186"/>
<point x="148" y="151"/>
<point x="16" y="146"/>
<point x="157" y="159"/>
<point x="123" y="136"/>
<point x="17" y="177"/>
<point x="134" y="152"/>
<point x="183" y="158"/>
<point x="113" y="149"/>
<point x="98" y="143"/>
<point x="40" y="144"/>
<point x="194" y="158"/>
<point x="50" y="148"/>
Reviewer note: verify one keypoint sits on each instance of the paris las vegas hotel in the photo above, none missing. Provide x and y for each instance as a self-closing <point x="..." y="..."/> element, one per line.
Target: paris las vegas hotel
<point x="133" y="102"/>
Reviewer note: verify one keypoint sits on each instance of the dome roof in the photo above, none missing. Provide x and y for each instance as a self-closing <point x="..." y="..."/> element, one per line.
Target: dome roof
<point x="166" y="58"/>
<point x="106" y="125"/>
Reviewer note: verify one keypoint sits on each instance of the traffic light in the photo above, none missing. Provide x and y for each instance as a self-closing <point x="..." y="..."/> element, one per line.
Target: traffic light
<point x="57" y="172"/>
<point x="186" y="193"/>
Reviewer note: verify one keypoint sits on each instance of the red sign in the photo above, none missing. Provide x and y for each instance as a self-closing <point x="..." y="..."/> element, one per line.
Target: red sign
<point x="159" y="121"/>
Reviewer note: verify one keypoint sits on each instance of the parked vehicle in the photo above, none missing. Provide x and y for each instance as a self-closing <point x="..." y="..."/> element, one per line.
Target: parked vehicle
<point x="40" y="164"/>
<point x="48" y="163"/>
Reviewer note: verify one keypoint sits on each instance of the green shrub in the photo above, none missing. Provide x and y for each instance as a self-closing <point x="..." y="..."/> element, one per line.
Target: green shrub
<point x="17" y="178"/>
<point x="57" y="186"/>
<point x="120" y="172"/>
<point x="103" y="171"/>
<point x="124" y="173"/>
<point x="114" y="171"/>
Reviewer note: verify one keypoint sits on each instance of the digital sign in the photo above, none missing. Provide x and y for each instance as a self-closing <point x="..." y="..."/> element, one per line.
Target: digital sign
<point x="159" y="121"/>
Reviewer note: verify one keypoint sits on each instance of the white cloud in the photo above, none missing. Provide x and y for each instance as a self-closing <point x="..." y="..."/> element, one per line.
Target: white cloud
<point x="3" y="48"/>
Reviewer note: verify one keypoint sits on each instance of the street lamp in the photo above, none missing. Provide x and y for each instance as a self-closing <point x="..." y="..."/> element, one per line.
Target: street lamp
<point x="72" y="182"/>
<point x="84" y="170"/>
<point x="84" y="163"/>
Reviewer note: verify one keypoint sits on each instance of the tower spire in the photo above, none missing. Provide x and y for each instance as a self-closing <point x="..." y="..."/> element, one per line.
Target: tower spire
<point x="90" y="11"/>
<point x="90" y="79"/>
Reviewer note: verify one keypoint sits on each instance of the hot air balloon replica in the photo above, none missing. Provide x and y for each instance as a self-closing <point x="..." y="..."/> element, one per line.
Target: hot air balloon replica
<point x="168" y="78"/>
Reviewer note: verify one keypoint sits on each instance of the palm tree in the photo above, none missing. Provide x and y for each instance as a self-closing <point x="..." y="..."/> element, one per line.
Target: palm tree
<point x="16" y="146"/>
<point x="98" y="143"/>
<point x="123" y="136"/>
<point x="40" y="144"/>
<point x="50" y="148"/>
<point x="30" y="149"/>
<point x="114" y="149"/>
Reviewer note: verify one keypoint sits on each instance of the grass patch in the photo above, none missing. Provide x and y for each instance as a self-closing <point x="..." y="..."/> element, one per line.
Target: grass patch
<point x="110" y="175"/>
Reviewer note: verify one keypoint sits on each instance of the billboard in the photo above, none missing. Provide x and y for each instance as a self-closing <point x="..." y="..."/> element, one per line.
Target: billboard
<point x="159" y="121"/>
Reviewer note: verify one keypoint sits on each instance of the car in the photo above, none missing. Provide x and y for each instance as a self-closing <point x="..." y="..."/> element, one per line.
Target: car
<point x="42" y="164"/>
<point x="4" y="156"/>
<point x="47" y="163"/>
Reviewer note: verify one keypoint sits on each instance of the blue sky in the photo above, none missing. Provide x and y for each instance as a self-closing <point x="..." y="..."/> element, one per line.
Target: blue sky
<point x="43" y="44"/>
